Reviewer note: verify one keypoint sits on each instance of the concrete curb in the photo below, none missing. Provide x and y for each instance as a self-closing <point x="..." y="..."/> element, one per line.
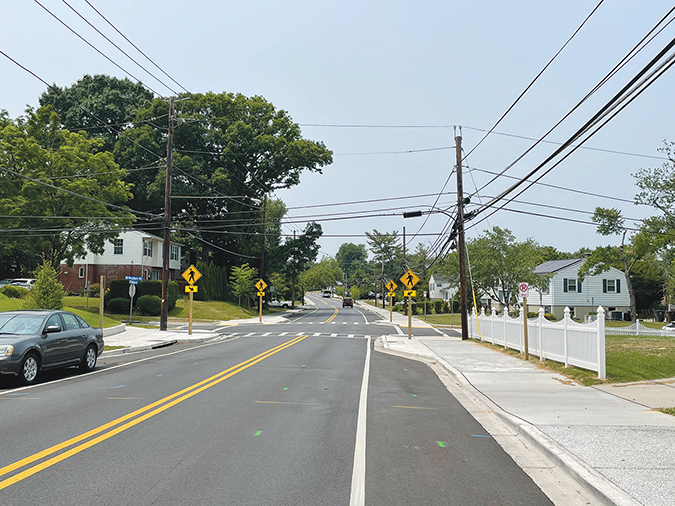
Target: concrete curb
<point x="111" y="331"/>
<point x="592" y="481"/>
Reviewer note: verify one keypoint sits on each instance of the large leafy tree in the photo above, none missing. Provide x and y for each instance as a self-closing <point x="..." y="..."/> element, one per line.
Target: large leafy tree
<point x="60" y="195"/>
<point x="300" y="252"/>
<point x="498" y="264"/>
<point x="322" y="274"/>
<point x="230" y="147"/>
<point x="101" y="105"/>
<point x="636" y="248"/>
<point x="388" y="254"/>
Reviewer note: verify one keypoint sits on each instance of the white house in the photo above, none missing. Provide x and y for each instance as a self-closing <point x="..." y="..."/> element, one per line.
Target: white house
<point x="607" y="289"/>
<point x="134" y="253"/>
<point x="439" y="288"/>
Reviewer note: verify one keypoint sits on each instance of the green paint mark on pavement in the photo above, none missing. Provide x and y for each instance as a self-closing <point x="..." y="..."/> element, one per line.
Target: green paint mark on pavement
<point x="414" y="395"/>
<point x="286" y="388"/>
<point x="405" y="369"/>
<point x="303" y="365"/>
<point x="258" y="433"/>
<point x="441" y="444"/>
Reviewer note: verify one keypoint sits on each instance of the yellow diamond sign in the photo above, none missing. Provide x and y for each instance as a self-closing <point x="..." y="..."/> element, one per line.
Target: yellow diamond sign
<point x="409" y="279"/>
<point x="261" y="285"/>
<point x="191" y="275"/>
<point x="391" y="286"/>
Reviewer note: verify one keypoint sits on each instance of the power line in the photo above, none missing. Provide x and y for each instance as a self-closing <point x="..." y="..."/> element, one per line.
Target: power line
<point x="136" y="47"/>
<point x="119" y="48"/>
<point x="95" y="48"/>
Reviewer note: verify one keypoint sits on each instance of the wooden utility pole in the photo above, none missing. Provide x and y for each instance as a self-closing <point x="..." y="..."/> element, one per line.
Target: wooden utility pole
<point x="262" y="245"/>
<point x="461" y="246"/>
<point x="167" y="224"/>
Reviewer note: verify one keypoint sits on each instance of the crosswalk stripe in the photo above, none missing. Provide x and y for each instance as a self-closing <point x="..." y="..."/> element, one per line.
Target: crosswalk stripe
<point x="283" y="334"/>
<point x="333" y="335"/>
<point x="249" y="334"/>
<point x="266" y="334"/>
<point x="316" y="334"/>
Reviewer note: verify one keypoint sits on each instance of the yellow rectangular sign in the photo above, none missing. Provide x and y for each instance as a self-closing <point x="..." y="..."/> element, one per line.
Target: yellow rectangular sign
<point x="390" y="294"/>
<point x="191" y="275"/>
<point x="261" y="294"/>
<point x="409" y="293"/>
<point x="191" y="289"/>
<point x="409" y="279"/>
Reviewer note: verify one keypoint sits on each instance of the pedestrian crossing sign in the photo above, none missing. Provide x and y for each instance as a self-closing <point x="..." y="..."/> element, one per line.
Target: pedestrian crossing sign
<point x="410" y="279"/>
<point x="261" y="285"/>
<point x="191" y="275"/>
<point x="391" y="286"/>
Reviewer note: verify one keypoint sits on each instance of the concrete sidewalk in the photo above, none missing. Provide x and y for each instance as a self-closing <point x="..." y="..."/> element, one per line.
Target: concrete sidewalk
<point x="622" y="450"/>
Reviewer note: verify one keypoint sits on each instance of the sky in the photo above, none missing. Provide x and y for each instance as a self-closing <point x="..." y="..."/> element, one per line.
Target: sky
<point x="387" y="86"/>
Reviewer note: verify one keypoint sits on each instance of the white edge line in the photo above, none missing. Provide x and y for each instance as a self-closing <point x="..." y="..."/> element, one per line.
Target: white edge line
<point x="358" y="492"/>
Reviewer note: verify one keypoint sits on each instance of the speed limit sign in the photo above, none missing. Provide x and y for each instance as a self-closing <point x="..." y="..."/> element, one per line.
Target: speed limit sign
<point x="523" y="290"/>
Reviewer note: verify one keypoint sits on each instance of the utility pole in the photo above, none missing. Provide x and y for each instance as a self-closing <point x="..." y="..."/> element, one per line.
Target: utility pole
<point x="405" y="267"/>
<point x="167" y="224"/>
<point x="262" y="246"/>
<point x="461" y="246"/>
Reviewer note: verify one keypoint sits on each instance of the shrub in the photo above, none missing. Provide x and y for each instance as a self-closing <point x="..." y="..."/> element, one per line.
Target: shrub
<point x="550" y="317"/>
<point x="446" y="307"/>
<point x="149" y="305"/>
<point x="119" y="305"/>
<point x="530" y="314"/>
<point x="94" y="290"/>
<point x="438" y="306"/>
<point x="14" y="292"/>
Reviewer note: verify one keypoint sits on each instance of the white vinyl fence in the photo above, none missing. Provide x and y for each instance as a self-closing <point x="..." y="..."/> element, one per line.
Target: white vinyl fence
<point x="566" y="341"/>
<point x="635" y="329"/>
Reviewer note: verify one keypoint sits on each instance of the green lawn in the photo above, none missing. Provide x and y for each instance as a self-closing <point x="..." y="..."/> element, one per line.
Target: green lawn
<point x="91" y="317"/>
<point x="629" y="358"/>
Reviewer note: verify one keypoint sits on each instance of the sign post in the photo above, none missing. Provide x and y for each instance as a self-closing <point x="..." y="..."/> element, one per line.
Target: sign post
<point x="101" y="301"/>
<point x="524" y="291"/>
<point x="133" y="281"/>
<point x="261" y="285"/>
<point x="391" y="286"/>
<point x="409" y="279"/>
<point x="191" y="275"/>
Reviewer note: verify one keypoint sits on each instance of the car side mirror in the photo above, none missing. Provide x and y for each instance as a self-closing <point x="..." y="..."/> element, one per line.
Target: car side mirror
<point x="52" y="328"/>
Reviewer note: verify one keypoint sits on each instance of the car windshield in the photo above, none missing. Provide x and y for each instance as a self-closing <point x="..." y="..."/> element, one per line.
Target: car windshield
<point x="22" y="324"/>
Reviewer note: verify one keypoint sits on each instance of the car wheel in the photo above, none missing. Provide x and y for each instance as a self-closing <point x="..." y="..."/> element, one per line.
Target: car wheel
<point x="89" y="361"/>
<point x="285" y="306"/>
<point x="29" y="369"/>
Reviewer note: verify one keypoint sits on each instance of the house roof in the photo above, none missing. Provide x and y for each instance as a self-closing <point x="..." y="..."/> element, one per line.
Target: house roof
<point x="555" y="265"/>
<point x="439" y="279"/>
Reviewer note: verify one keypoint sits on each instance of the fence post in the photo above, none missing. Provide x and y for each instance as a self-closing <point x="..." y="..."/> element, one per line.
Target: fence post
<point x="541" y="333"/>
<point x="566" y="319"/>
<point x="492" y="324"/>
<point x="602" y="358"/>
<point x="521" y="330"/>
<point x="481" y="319"/>
<point x="505" y="315"/>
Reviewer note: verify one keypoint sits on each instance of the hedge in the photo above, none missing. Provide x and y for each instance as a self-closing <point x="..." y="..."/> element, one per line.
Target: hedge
<point x="149" y="305"/>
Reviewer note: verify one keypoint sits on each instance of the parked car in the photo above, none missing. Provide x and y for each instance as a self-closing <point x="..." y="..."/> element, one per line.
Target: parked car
<point x="24" y="282"/>
<point x="327" y="294"/>
<point x="34" y="340"/>
<point x="670" y="327"/>
<point x="348" y="302"/>
<point x="5" y="281"/>
<point x="281" y="303"/>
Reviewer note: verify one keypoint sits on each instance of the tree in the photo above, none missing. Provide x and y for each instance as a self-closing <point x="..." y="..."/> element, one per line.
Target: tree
<point x="243" y="281"/>
<point x="350" y="257"/>
<point x="47" y="292"/>
<point x="101" y="105"/>
<point x="63" y="194"/>
<point x="388" y="253"/>
<point x="498" y="264"/>
<point x="225" y="145"/>
<point x="300" y="252"/>
<point x="610" y="222"/>
<point x="325" y="273"/>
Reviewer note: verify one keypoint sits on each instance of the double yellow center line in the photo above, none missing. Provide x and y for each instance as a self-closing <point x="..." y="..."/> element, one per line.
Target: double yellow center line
<point x="332" y="317"/>
<point x="118" y="425"/>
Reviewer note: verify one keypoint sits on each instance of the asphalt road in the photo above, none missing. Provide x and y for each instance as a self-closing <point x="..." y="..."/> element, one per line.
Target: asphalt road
<point x="269" y="415"/>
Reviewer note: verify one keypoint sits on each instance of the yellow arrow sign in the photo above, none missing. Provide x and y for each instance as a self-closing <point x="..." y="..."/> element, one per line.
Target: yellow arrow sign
<point x="390" y="294"/>
<point x="191" y="275"/>
<point x="261" y="285"/>
<point x="410" y="293"/>
<point x="261" y="294"/>
<point x="409" y="279"/>
<point x="191" y="289"/>
<point x="391" y="286"/>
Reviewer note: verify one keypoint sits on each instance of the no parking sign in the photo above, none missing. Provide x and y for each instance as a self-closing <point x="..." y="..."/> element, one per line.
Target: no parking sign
<point x="523" y="290"/>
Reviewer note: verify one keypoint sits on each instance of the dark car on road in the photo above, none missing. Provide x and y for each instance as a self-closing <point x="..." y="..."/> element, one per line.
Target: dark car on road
<point x="35" y="340"/>
<point x="348" y="302"/>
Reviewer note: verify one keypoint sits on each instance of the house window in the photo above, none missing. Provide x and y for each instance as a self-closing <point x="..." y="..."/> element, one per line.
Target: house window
<point x="611" y="286"/>
<point x="154" y="274"/>
<point x="571" y="285"/>
<point x="80" y="272"/>
<point x="147" y="248"/>
<point x="119" y="247"/>
<point x="174" y="252"/>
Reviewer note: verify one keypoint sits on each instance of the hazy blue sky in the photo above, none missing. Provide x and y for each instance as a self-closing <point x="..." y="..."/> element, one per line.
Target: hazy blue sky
<point x="387" y="66"/>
